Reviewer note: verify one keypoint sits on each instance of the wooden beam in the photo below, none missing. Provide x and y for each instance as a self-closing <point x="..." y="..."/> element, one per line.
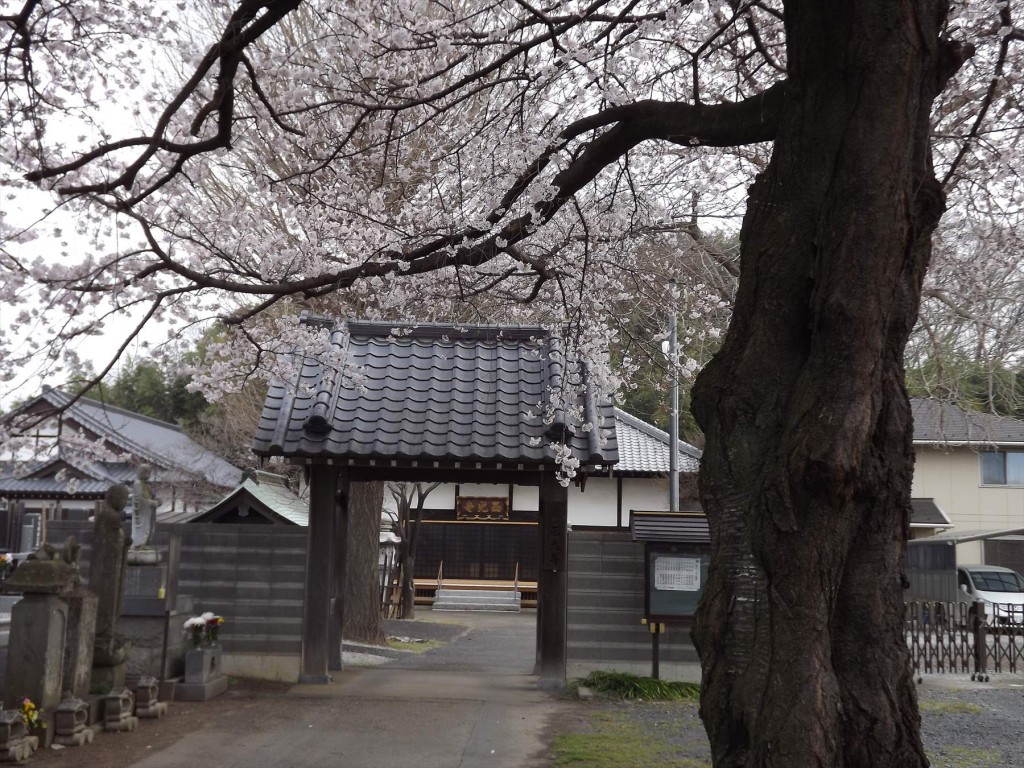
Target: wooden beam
<point x="323" y="485"/>
<point x="446" y="475"/>
<point x="553" y="581"/>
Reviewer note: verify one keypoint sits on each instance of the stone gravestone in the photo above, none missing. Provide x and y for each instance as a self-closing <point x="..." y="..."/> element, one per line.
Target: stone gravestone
<point x="203" y="676"/>
<point x="106" y="580"/>
<point x="81" y="633"/>
<point x="39" y="625"/>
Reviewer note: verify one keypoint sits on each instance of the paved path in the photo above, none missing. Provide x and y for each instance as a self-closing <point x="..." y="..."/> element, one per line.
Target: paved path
<point x="472" y="704"/>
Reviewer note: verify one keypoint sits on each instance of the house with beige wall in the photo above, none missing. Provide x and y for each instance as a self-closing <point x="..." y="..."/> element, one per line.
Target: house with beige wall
<point x="971" y="465"/>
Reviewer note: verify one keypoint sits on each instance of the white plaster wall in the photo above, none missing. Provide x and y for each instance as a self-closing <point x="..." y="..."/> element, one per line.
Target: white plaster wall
<point x="597" y="505"/>
<point x="644" y="493"/>
<point x="482" y="489"/>
<point x="442" y="497"/>
<point x="526" y="498"/>
<point x="952" y="476"/>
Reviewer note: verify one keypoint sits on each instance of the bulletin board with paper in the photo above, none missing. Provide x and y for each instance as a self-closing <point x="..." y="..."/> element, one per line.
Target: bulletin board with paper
<point x="676" y="576"/>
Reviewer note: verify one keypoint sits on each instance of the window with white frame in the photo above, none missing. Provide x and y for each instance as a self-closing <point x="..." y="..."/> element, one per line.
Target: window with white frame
<point x="1002" y="468"/>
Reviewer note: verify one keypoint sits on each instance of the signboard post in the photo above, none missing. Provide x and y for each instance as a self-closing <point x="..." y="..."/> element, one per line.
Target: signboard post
<point x="676" y="574"/>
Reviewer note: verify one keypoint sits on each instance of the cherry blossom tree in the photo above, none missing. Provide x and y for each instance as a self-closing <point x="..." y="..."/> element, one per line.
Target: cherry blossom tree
<point x="496" y="160"/>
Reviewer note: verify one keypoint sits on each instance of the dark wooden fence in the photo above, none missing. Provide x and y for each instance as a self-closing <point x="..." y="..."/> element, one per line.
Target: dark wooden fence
<point x="252" y="575"/>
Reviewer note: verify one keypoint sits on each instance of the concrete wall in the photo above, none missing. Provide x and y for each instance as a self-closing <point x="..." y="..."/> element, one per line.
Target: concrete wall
<point x="253" y="576"/>
<point x="606" y="604"/>
<point x="952" y="476"/>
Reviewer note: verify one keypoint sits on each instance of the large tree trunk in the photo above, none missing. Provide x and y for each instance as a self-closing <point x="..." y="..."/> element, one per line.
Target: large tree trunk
<point x="807" y="468"/>
<point x="362" y="622"/>
<point x="408" y="604"/>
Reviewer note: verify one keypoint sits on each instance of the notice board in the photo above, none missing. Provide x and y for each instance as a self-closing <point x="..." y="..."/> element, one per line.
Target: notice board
<point x="676" y="576"/>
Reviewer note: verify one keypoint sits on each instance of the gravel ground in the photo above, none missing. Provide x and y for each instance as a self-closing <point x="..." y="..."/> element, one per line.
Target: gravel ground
<point x="956" y="734"/>
<point x="968" y="727"/>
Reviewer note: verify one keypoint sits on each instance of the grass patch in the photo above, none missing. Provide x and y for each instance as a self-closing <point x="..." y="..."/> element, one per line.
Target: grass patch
<point x="415" y="646"/>
<point x="617" y="744"/>
<point x="620" y="685"/>
<point x="950" y="707"/>
<point x="967" y="757"/>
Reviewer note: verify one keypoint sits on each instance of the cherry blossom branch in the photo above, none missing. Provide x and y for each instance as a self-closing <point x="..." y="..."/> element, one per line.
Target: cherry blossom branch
<point x="750" y="121"/>
<point x="989" y="98"/>
<point x="244" y="28"/>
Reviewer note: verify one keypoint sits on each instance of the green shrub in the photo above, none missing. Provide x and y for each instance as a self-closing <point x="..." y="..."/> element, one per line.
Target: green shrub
<point x="621" y="685"/>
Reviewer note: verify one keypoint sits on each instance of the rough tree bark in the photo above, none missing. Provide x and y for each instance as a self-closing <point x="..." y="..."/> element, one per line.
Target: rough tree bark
<point x="807" y="467"/>
<point x="407" y="602"/>
<point x="362" y="619"/>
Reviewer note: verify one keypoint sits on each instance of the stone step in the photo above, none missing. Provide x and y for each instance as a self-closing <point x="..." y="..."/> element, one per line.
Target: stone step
<point x="477" y="600"/>
<point x="509" y="607"/>
<point x="483" y="595"/>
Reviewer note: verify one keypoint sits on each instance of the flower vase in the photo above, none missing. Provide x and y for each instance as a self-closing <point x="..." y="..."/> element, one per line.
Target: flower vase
<point x="41" y="732"/>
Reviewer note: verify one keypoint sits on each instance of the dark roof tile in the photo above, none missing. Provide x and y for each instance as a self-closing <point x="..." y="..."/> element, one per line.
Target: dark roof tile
<point x="939" y="422"/>
<point x="434" y="392"/>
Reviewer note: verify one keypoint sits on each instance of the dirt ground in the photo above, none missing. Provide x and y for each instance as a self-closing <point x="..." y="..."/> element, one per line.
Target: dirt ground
<point x="117" y="750"/>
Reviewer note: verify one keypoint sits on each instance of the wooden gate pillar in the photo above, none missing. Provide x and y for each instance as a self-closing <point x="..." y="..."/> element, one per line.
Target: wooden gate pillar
<point x="553" y="578"/>
<point x="337" y="619"/>
<point x="316" y="611"/>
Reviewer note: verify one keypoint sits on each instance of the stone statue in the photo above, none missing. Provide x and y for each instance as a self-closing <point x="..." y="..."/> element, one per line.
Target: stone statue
<point x="106" y="580"/>
<point x="144" y="505"/>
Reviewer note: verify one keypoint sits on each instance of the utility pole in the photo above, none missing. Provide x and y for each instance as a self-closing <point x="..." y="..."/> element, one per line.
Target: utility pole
<point x="673" y="421"/>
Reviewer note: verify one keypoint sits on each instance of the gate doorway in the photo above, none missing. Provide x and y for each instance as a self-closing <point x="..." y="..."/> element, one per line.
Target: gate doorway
<point x="436" y="403"/>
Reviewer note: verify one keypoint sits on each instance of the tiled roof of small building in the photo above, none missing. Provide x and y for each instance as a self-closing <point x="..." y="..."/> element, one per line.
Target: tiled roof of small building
<point x="644" y="449"/>
<point x="434" y="392"/>
<point x="267" y="491"/>
<point x="926" y="514"/>
<point x="939" y="422"/>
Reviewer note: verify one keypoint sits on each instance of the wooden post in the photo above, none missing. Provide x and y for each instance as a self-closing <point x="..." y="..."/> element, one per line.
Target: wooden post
<point x="323" y="484"/>
<point x="337" y="619"/>
<point x="552" y="607"/>
<point x="980" y="642"/>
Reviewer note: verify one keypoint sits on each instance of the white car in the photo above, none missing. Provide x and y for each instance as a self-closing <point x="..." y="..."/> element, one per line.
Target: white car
<point x="1001" y="589"/>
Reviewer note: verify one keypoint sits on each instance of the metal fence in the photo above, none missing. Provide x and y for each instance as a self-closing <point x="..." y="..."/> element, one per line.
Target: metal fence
<point x="964" y="638"/>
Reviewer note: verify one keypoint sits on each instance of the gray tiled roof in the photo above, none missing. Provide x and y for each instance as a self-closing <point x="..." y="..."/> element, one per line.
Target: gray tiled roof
<point x="926" y="514"/>
<point x="267" y="491"/>
<point x="440" y="393"/>
<point x="173" y="454"/>
<point x="50" y="487"/>
<point x="939" y="422"/>
<point x="81" y="478"/>
<point x="644" y="449"/>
